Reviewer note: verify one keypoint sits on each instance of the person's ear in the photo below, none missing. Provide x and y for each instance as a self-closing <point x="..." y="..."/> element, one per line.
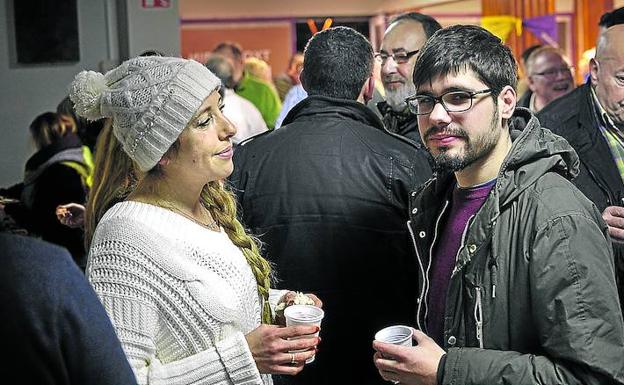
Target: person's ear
<point x="593" y="70"/>
<point x="164" y="161"/>
<point x="531" y="83"/>
<point x="305" y="87"/>
<point x="507" y="102"/>
<point x="370" y="91"/>
<point x="367" y="91"/>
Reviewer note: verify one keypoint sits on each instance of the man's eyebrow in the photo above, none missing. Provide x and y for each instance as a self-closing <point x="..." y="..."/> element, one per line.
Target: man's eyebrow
<point x="455" y="88"/>
<point x="444" y="91"/>
<point x="399" y="50"/>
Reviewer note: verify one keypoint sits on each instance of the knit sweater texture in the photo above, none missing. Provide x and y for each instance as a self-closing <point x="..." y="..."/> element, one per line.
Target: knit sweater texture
<point x="181" y="297"/>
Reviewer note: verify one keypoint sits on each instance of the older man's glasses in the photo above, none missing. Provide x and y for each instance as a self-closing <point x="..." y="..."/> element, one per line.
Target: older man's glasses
<point x="553" y="73"/>
<point x="399" y="57"/>
<point x="452" y="101"/>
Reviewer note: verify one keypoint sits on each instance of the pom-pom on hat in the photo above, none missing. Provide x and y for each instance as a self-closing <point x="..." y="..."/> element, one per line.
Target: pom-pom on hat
<point x="150" y="99"/>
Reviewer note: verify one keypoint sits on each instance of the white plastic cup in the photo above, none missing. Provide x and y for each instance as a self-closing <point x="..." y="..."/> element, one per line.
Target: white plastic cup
<point x="304" y="315"/>
<point x="396" y="335"/>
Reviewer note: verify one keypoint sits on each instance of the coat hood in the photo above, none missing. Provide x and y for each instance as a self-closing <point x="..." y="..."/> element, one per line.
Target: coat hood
<point x="534" y="152"/>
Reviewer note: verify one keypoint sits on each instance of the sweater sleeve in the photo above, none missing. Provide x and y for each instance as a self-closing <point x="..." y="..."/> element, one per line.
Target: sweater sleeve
<point x="151" y="316"/>
<point x="577" y="316"/>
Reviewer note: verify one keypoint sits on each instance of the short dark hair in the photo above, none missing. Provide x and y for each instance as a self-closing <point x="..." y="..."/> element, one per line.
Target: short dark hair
<point x="337" y="62"/>
<point x="222" y="68"/>
<point x="467" y="47"/>
<point x="45" y="130"/>
<point x="234" y="48"/>
<point x="429" y="24"/>
<point x="609" y="19"/>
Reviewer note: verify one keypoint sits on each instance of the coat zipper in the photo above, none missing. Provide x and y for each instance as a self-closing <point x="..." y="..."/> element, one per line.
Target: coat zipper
<point x="478" y="316"/>
<point x="425" y="273"/>
<point x="422" y="272"/>
<point x="493" y="269"/>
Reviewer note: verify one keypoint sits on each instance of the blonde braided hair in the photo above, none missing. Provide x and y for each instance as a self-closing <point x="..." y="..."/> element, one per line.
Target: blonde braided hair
<point x="219" y="201"/>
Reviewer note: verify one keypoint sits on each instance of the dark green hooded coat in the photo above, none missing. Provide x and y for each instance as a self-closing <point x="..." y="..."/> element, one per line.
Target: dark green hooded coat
<point x="532" y="298"/>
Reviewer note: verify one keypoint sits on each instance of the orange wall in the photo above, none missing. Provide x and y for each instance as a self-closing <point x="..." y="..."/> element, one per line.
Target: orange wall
<point x="269" y="41"/>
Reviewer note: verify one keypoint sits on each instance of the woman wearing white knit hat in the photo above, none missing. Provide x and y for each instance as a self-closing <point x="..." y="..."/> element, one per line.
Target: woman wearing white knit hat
<point x="184" y="285"/>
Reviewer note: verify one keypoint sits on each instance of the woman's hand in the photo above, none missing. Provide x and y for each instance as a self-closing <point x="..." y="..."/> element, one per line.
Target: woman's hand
<point x="290" y="298"/>
<point x="317" y="301"/>
<point x="270" y="347"/>
<point x="71" y="215"/>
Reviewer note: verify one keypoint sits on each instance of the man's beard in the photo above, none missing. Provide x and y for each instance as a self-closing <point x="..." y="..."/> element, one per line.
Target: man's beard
<point x="473" y="151"/>
<point x="396" y="97"/>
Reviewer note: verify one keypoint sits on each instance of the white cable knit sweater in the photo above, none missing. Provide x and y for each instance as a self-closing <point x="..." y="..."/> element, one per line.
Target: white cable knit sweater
<point x="181" y="297"/>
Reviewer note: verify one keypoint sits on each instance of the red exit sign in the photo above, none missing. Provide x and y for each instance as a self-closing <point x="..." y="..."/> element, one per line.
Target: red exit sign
<point x="156" y="3"/>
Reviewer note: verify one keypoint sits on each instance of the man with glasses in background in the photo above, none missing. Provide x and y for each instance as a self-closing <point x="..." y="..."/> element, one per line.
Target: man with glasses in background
<point x="549" y="78"/>
<point x="592" y="119"/>
<point x="404" y="36"/>
<point x="516" y="278"/>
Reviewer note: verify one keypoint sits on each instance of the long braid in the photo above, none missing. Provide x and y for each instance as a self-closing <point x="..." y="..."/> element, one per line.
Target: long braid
<point x="222" y="206"/>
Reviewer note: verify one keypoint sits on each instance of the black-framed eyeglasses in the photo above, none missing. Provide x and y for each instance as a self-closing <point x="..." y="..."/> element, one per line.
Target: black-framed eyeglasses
<point x="552" y="74"/>
<point x="452" y="101"/>
<point x="399" y="57"/>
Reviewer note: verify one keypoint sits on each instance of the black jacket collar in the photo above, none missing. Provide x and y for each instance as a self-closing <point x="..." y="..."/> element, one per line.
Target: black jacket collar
<point x="316" y="105"/>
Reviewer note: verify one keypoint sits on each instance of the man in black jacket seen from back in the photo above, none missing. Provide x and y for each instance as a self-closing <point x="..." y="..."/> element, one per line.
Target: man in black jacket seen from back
<point x="327" y="194"/>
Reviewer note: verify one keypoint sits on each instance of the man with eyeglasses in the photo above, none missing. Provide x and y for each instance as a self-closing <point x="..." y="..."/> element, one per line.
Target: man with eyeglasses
<point x="516" y="276"/>
<point x="404" y="36"/>
<point x="549" y="78"/>
<point x="592" y="119"/>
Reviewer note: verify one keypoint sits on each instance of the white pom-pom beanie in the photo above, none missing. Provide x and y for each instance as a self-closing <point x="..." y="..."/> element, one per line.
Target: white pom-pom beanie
<point x="150" y="99"/>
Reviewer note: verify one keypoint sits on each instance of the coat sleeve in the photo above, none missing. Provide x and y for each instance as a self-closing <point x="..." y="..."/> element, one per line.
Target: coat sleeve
<point x="577" y="315"/>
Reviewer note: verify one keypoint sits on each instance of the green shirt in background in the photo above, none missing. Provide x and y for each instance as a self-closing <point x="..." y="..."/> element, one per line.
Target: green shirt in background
<point x="263" y="96"/>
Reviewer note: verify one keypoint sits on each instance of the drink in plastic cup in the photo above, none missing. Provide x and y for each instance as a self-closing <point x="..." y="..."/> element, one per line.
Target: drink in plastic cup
<point x="303" y="315"/>
<point x="397" y="335"/>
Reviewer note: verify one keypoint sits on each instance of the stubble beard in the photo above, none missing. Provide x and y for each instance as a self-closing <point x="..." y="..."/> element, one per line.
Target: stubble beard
<point x="472" y="151"/>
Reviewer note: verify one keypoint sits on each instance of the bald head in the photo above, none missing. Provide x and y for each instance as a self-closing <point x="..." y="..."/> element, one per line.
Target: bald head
<point x="607" y="73"/>
<point x="609" y="43"/>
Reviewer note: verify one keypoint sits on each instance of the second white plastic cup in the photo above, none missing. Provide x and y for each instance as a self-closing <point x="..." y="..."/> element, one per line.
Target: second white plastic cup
<point x="397" y="335"/>
<point x="304" y="315"/>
